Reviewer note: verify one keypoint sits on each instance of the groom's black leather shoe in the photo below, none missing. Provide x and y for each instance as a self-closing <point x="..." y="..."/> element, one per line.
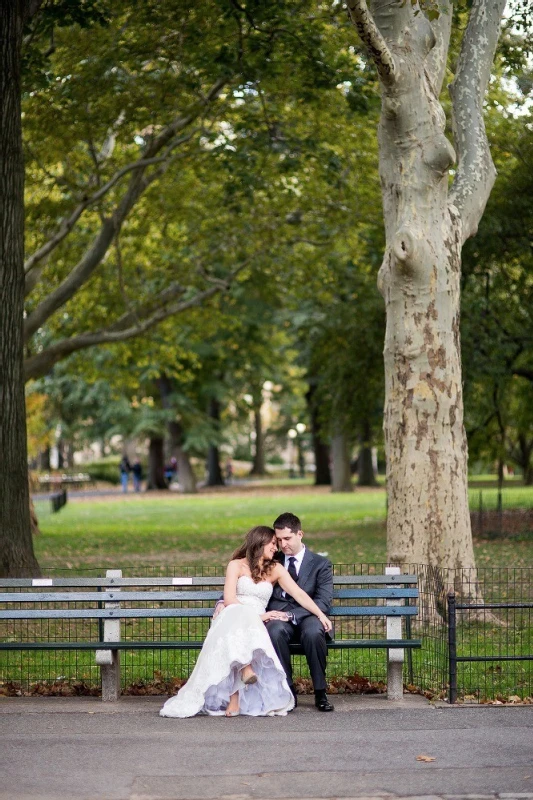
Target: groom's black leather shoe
<point x="293" y="690"/>
<point x="322" y="702"/>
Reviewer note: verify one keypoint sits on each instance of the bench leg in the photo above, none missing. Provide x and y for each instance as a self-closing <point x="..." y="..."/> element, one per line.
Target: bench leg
<point x="111" y="677"/>
<point x="109" y="660"/>
<point x="394" y="657"/>
<point x="394" y="679"/>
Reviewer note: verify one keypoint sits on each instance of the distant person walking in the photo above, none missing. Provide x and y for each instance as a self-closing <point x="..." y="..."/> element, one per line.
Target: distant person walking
<point x="137" y="471"/>
<point x="125" y="469"/>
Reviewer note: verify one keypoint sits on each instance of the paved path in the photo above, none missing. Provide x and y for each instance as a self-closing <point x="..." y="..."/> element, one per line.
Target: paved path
<point x="81" y="749"/>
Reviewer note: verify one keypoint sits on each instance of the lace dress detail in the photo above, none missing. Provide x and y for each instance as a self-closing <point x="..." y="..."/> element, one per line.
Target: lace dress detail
<point x="237" y="637"/>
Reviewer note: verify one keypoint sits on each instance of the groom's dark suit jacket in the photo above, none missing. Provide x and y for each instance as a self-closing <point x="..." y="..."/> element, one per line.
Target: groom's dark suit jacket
<point x="315" y="577"/>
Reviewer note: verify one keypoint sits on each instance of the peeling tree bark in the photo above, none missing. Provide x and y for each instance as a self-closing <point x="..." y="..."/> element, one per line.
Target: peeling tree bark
<point x="428" y="517"/>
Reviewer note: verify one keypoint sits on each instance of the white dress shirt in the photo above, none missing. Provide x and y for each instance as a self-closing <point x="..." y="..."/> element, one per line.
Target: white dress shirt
<point x="298" y="560"/>
<point x="298" y="557"/>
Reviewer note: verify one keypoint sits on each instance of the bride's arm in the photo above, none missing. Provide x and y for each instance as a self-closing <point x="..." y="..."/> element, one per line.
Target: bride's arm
<point x="301" y="597"/>
<point x="230" y="584"/>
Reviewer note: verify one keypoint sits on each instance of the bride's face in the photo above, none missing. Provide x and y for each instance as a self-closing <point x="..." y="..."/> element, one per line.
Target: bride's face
<point x="270" y="549"/>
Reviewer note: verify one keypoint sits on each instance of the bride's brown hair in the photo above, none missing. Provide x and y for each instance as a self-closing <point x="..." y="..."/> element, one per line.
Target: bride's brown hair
<point x="252" y="550"/>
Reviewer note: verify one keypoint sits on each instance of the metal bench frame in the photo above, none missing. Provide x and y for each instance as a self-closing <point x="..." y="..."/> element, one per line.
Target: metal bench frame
<point x="395" y="590"/>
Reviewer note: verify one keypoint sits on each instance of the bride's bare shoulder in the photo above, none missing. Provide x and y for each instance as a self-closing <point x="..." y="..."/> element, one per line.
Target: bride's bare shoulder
<point x="240" y="565"/>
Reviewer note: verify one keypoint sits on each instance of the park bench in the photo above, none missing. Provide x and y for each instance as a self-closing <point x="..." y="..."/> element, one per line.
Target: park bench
<point x="64" y="481"/>
<point x="390" y="598"/>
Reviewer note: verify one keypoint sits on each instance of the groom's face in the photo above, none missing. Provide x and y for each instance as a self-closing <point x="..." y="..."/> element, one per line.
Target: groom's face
<point x="289" y="543"/>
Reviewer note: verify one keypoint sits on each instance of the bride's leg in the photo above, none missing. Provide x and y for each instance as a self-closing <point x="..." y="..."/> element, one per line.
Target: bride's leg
<point x="233" y="706"/>
<point x="248" y="675"/>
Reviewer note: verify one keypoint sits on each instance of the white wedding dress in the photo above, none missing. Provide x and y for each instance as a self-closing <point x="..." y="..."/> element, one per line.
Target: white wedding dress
<point x="237" y="637"/>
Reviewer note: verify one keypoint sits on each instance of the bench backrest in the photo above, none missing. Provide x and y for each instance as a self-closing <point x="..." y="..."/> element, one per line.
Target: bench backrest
<point x="384" y="588"/>
<point x="101" y="582"/>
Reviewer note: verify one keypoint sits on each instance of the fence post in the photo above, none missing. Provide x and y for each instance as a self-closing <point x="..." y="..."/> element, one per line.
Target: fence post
<point x="410" y="674"/>
<point x="395" y="657"/>
<point x="452" y="648"/>
<point x="109" y="660"/>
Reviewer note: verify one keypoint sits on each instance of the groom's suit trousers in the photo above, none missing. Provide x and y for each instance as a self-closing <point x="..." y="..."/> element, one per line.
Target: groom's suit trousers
<point x="310" y="634"/>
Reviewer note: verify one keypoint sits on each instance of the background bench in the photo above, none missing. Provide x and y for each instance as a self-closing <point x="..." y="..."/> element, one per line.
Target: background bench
<point x="391" y="597"/>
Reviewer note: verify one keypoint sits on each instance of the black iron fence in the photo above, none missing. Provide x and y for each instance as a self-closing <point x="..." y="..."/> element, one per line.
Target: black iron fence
<point x="482" y="652"/>
<point x="496" y="515"/>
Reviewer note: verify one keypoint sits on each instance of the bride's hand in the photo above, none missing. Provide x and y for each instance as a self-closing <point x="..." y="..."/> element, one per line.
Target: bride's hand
<point x="326" y="623"/>
<point x="270" y="615"/>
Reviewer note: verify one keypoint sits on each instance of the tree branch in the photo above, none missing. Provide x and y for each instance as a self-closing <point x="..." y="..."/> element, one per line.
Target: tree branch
<point x="67" y="224"/>
<point x="438" y="55"/>
<point x="112" y="225"/>
<point x="475" y="170"/>
<point x="129" y="325"/>
<point x="372" y="38"/>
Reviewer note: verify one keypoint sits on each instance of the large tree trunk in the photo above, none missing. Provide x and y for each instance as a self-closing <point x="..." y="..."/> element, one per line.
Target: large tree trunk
<point x="428" y="517"/>
<point x="525" y="450"/>
<point x="340" y="460"/>
<point x="320" y="447"/>
<point x="214" y="472"/>
<point x="44" y="459"/>
<point x="258" y="466"/>
<point x="17" y="558"/>
<point x="186" y="476"/>
<point x="60" y="454"/>
<point x="156" y="464"/>
<point x="365" y="467"/>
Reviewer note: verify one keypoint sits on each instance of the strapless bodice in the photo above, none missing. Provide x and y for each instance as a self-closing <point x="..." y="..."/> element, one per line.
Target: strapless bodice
<point x="253" y="594"/>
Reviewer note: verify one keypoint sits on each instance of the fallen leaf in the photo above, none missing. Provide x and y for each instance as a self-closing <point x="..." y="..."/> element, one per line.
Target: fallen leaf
<point x="425" y="758"/>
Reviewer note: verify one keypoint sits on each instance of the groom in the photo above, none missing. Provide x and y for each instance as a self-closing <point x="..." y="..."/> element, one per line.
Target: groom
<point x="313" y="574"/>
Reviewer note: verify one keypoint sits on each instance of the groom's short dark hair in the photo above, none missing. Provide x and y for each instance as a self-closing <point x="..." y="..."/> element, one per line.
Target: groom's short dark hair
<point x="287" y="520"/>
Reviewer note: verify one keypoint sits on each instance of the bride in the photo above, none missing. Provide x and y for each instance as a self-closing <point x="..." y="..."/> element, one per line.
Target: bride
<point x="238" y="671"/>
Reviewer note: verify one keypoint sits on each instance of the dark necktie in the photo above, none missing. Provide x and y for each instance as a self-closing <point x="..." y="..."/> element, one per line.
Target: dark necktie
<point x="292" y="569"/>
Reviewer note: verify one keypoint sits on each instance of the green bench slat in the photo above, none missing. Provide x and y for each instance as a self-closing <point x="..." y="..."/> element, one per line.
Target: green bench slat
<point x="338" y="644"/>
<point x="155" y="597"/>
<point x="348" y="644"/>
<point x="379" y="580"/>
<point x="105" y="613"/>
<point x="105" y="597"/>
<point x="361" y="594"/>
<point x="149" y="613"/>
<point x="373" y="611"/>
<point x="338" y="580"/>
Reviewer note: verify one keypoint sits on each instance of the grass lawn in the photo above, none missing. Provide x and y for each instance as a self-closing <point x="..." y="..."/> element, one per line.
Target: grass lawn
<point x="171" y="529"/>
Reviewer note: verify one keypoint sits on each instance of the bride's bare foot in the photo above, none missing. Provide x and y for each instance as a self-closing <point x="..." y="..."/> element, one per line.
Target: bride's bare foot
<point x="233" y="706"/>
<point x="248" y="675"/>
